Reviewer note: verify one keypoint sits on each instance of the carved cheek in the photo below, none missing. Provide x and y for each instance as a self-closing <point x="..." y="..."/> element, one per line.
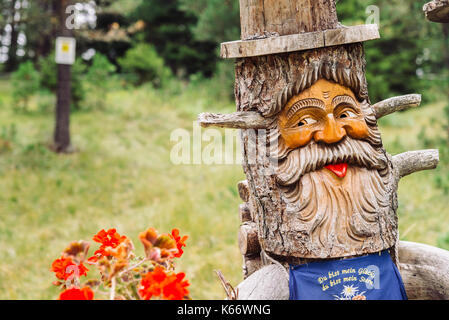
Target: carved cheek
<point x="356" y="129"/>
<point x="298" y="138"/>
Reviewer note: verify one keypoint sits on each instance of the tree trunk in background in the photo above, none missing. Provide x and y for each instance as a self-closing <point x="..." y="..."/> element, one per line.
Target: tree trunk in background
<point x="62" y="128"/>
<point x="12" y="62"/>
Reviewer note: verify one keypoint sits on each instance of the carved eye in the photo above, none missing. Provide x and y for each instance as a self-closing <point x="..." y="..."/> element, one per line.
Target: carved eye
<point x="347" y="114"/>
<point x="306" y="121"/>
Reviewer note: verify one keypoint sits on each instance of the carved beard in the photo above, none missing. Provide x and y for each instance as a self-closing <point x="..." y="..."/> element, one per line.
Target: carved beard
<point x="329" y="214"/>
<point x="336" y="213"/>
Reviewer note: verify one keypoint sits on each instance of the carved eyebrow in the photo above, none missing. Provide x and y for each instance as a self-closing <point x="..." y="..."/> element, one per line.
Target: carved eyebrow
<point x="304" y="104"/>
<point x="343" y="99"/>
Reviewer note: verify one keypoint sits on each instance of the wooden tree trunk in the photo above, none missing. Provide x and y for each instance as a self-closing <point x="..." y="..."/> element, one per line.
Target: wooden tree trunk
<point x="62" y="128"/>
<point x="259" y="81"/>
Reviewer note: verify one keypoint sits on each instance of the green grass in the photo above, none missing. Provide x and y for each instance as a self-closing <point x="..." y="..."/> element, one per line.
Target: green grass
<point x="122" y="177"/>
<point x="423" y="207"/>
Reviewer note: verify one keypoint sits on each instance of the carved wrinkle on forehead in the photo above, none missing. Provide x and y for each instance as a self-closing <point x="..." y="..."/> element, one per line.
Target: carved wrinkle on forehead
<point x="344" y="99"/>
<point x="304" y="103"/>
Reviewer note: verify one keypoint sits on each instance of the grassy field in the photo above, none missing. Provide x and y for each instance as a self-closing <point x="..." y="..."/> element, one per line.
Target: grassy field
<point x="122" y="177"/>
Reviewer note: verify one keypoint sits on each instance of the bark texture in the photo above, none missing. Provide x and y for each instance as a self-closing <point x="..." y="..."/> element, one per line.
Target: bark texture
<point x="395" y="104"/>
<point x="62" y="142"/>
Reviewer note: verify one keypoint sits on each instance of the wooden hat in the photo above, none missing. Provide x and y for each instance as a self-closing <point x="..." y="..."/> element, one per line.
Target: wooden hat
<point x="280" y="26"/>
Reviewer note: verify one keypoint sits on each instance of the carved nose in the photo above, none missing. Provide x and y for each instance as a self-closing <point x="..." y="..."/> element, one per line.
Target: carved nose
<point x="331" y="133"/>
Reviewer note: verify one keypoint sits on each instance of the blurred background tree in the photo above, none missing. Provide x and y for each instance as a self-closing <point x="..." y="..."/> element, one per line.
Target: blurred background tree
<point x="186" y="35"/>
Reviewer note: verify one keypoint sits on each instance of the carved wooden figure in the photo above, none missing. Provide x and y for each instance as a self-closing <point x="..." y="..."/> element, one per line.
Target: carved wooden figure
<point x="320" y="186"/>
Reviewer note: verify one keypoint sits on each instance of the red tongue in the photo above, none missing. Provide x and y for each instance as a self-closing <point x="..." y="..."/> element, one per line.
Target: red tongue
<point x="339" y="170"/>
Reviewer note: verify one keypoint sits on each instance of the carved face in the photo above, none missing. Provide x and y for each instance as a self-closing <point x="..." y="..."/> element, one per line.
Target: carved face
<point x="333" y="173"/>
<point x="326" y="112"/>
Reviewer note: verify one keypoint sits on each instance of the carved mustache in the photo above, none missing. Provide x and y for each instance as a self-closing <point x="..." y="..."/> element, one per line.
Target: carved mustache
<point x="316" y="156"/>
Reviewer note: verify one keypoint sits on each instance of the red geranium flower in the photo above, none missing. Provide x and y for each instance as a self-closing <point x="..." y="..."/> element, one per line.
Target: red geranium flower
<point x="175" y="288"/>
<point x="85" y="293"/>
<point x="158" y="283"/>
<point x="62" y="270"/>
<point x="108" y="239"/>
<point x="180" y="242"/>
<point x="152" y="283"/>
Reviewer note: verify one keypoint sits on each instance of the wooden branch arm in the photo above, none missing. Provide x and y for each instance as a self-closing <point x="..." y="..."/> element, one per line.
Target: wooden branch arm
<point x="395" y="104"/>
<point x="437" y="11"/>
<point x="236" y="120"/>
<point x="424" y="270"/>
<point x="414" y="161"/>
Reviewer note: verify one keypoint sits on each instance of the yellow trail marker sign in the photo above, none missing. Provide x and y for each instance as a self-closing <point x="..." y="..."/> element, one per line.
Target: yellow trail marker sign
<point x="65" y="50"/>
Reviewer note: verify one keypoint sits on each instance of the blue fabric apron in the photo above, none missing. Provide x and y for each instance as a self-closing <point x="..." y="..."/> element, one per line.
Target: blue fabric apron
<point x="371" y="277"/>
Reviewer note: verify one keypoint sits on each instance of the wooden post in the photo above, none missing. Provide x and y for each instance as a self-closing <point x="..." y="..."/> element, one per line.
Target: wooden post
<point x="62" y="115"/>
<point x="284" y="17"/>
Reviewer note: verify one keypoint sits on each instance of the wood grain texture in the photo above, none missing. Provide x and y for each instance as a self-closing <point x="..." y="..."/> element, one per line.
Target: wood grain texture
<point x="284" y="17"/>
<point x="437" y="11"/>
<point x="272" y="45"/>
<point x="345" y="35"/>
<point x="424" y="269"/>
<point x="236" y="120"/>
<point x="248" y="239"/>
<point x="244" y="213"/>
<point x="298" y="42"/>
<point x="243" y="190"/>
